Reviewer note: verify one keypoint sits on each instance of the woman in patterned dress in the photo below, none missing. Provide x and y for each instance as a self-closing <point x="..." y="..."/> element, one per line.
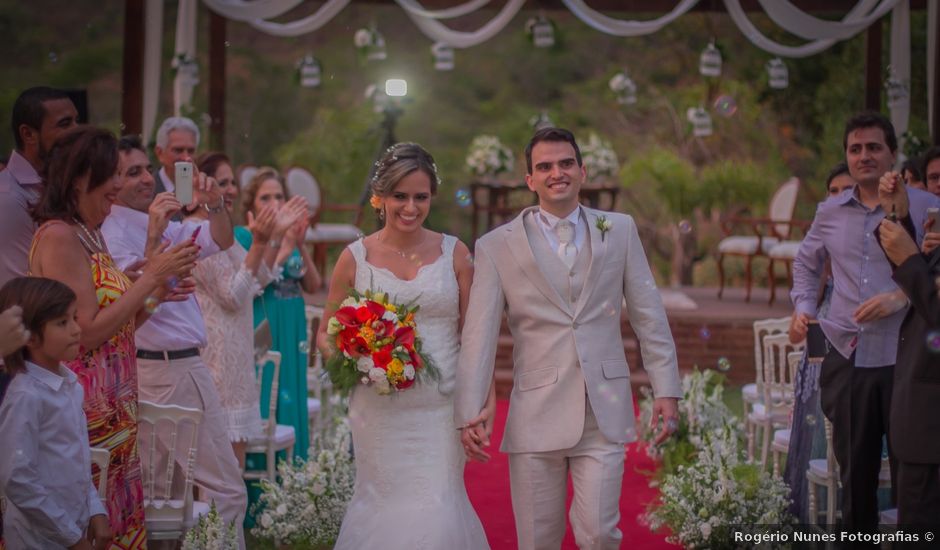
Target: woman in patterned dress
<point x="81" y="185"/>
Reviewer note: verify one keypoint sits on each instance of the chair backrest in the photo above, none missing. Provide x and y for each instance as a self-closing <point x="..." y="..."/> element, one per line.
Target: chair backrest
<point x="273" y="357"/>
<point x="245" y="173"/>
<point x="782" y="205"/>
<point x="832" y="465"/>
<point x="301" y="182"/>
<point x="764" y="327"/>
<point x="102" y="459"/>
<point x="778" y="378"/>
<point x="161" y="444"/>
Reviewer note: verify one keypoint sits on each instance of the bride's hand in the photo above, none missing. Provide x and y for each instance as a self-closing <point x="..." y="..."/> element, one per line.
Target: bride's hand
<point x="475" y="436"/>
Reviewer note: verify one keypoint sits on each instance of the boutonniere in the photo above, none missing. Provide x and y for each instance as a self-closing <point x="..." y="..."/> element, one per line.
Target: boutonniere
<point x="604" y="225"/>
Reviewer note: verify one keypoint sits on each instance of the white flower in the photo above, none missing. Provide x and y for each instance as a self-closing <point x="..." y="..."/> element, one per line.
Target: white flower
<point x="706" y="530"/>
<point x="333" y="327"/>
<point x="266" y="520"/>
<point x="365" y="364"/>
<point x="318" y="488"/>
<point x="389" y="316"/>
<point x="487" y="156"/>
<point x="281" y="510"/>
<point x="409" y="371"/>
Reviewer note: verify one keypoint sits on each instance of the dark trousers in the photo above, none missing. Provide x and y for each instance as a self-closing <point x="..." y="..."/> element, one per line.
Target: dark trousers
<point x="857" y="401"/>
<point x="918" y="494"/>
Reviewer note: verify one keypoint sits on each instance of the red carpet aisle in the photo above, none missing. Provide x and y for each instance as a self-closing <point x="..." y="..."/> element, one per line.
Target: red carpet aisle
<point x="488" y="487"/>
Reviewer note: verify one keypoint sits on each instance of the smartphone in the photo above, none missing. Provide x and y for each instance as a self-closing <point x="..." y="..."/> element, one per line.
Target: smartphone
<point x="192" y="238"/>
<point x="933" y="213"/>
<point x="184" y="182"/>
<point x="816" y="346"/>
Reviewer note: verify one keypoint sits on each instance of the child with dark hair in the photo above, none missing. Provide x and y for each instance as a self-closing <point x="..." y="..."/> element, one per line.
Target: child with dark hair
<point x="45" y="471"/>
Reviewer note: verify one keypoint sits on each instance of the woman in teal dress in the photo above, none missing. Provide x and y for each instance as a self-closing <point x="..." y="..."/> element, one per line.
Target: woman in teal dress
<point x="282" y="304"/>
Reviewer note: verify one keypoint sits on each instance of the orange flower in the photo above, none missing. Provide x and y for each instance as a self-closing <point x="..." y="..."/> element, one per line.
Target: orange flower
<point x="377" y="202"/>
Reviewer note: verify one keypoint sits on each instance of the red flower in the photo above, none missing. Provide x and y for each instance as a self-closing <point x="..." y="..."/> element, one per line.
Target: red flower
<point x="347" y="316"/>
<point x="382" y="357"/>
<point x="405" y="336"/>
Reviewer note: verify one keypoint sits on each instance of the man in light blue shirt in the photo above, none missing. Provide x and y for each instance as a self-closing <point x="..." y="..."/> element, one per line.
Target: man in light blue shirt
<point x="865" y="312"/>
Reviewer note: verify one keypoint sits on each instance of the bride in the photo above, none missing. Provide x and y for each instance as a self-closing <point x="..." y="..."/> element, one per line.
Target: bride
<point x="409" y="491"/>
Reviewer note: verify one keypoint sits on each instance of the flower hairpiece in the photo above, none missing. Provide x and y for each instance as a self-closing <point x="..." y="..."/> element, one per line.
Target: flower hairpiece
<point x="376" y="202"/>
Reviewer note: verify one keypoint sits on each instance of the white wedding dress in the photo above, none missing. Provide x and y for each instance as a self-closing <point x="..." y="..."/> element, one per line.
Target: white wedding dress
<point x="409" y="492"/>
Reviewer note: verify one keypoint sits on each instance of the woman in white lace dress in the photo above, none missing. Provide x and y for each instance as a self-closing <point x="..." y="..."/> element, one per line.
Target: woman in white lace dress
<point x="226" y="285"/>
<point x="409" y="491"/>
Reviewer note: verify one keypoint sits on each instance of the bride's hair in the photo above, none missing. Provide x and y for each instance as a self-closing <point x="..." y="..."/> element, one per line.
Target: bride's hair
<point x="398" y="161"/>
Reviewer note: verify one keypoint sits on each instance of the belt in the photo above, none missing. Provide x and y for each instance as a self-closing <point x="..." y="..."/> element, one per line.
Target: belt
<point x="167" y="355"/>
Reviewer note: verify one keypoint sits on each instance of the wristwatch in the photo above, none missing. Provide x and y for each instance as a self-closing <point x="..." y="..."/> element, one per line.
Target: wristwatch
<point x="215" y="209"/>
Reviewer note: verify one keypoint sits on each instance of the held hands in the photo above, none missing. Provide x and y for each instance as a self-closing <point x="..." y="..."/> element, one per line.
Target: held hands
<point x="892" y="194"/>
<point x="13" y="335"/>
<point x="475" y="436"/>
<point x="666" y="408"/>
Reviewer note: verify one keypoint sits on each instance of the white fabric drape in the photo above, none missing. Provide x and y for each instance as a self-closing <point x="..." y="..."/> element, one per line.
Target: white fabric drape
<point x="619" y="27"/>
<point x="458" y="39"/>
<point x="901" y="64"/>
<point x="804" y="25"/>
<point x="758" y="39"/>
<point x="304" y="25"/>
<point x="153" y="49"/>
<point x="412" y="6"/>
<point x="240" y="10"/>
<point x="184" y="83"/>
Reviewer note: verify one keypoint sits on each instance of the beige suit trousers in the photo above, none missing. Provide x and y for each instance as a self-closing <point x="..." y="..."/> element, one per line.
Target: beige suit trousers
<point x="540" y="482"/>
<point x="188" y="383"/>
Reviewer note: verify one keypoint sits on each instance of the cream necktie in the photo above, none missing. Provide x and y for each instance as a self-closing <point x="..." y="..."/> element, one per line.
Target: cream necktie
<point x="567" y="251"/>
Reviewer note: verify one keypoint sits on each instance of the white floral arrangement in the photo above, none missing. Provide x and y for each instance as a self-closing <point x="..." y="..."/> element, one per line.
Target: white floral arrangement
<point x="307" y="506"/>
<point x="624" y="88"/>
<point x="487" y="156"/>
<point x="599" y="158"/>
<point x="702" y="503"/>
<point x="211" y="533"/>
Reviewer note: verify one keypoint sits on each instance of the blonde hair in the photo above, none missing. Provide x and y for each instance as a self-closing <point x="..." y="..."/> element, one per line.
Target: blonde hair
<point x="263" y="174"/>
<point x="398" y="161"/>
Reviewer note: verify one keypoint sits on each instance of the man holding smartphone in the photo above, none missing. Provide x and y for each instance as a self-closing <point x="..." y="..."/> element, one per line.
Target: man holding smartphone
<point x="177" y="140"/>
<point x="865" y="313"/>
<point x="915" y="415"/>
<point x="170" y="368"/>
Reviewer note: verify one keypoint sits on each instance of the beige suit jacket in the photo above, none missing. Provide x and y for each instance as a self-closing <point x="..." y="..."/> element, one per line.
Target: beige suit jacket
<point x="563" y="352"/>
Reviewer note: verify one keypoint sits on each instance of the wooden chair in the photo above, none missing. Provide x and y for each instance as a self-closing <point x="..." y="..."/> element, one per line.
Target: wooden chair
<point x="773" y="411"/>
<point x="323" y="235"/>
<point x="823" y="472"/>
<point x="780" y="445"/>
<point x="316" y="404"/>
<point x="102" y="459"/>
<point x="167" y="514"/>
<point x="276" y="437"/>
<point x="766" y="232"/>
<point x="783" y="252"/>
<point x="751" y="393"/>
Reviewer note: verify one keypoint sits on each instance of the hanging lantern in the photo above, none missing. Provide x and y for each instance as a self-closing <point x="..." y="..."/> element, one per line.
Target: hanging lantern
<point x="896" y="91"/>
<point x="309" y="70"/>
<point x="370" y="43"/>
<point x="701" y="122"/>
<point x="623" y="87"/>
<point x="709" y="63"/>
<point x="778" y="76"/>
<point x="443" y="55"/>
<point x="542" y="31"/>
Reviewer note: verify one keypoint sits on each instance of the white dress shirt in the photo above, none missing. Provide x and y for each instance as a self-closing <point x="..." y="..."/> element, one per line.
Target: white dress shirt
<point x="20" y="186"/>
<point x="175" y="325"/>
<point x="548" y="222"/>
<point x="45" y="467"/>
<point x="165" y="180"/>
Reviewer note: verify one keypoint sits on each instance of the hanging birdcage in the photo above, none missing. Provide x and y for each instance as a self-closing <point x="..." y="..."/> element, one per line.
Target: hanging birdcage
<point x="542" y="31"/>
<point x="443" y="55"/>
<point x="709" y="63"/>
<point x="778" y="76"/>
<point x="701" y="121"/>
<point x="896" y="91"/>
<point x="309" y="70"/>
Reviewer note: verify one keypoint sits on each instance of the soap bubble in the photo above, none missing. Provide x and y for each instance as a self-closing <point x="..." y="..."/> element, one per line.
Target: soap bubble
<point x="685" y="227"/>
<point x="53" y="57"/>
<point x="704" y="333"/>
<point x="933" y="341"/>
<point x="810" y="420"/>
<point x="724" y="365"/>
<point x="295" y="268"/>
<point x="151" y="304"/>
<point x="726" y="106"/>
<point x="303" y="347"/>
<point x="463" y="198"/>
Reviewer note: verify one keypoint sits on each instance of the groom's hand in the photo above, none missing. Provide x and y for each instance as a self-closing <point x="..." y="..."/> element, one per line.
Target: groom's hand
<point x="666" y="408"/>
<point x="475" y="437"/>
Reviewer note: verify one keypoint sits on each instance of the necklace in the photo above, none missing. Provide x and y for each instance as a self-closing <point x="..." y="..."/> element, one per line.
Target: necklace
<point x="94" y="238"/>
<point x="402" y="253"/>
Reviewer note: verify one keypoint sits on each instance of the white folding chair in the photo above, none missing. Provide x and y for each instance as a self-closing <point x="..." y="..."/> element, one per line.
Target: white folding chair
<point x="276" y="437"/>
<point x="102" y="459"/>
<point x="317" y="405"/>
<point x="168" y="514"/>
<point x="823" y="472"/>
<point x="245" y="173"/>
<point x="751" y="393"/>
<point x="780" y="444"/>
<point x="776" y="403"/>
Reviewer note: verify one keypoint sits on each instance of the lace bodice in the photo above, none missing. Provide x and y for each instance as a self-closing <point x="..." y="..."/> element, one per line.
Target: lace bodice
<point x="435" y="290"/>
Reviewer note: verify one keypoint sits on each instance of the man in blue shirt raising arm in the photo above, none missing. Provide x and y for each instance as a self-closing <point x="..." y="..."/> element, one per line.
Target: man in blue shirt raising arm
<point x="865" y="313"/>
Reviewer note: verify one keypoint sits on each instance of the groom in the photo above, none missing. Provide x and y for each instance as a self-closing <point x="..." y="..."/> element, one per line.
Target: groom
<point x="561" y="273"/>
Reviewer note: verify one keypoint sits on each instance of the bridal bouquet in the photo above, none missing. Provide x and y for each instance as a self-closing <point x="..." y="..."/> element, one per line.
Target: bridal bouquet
<point x="376" y="343"/>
